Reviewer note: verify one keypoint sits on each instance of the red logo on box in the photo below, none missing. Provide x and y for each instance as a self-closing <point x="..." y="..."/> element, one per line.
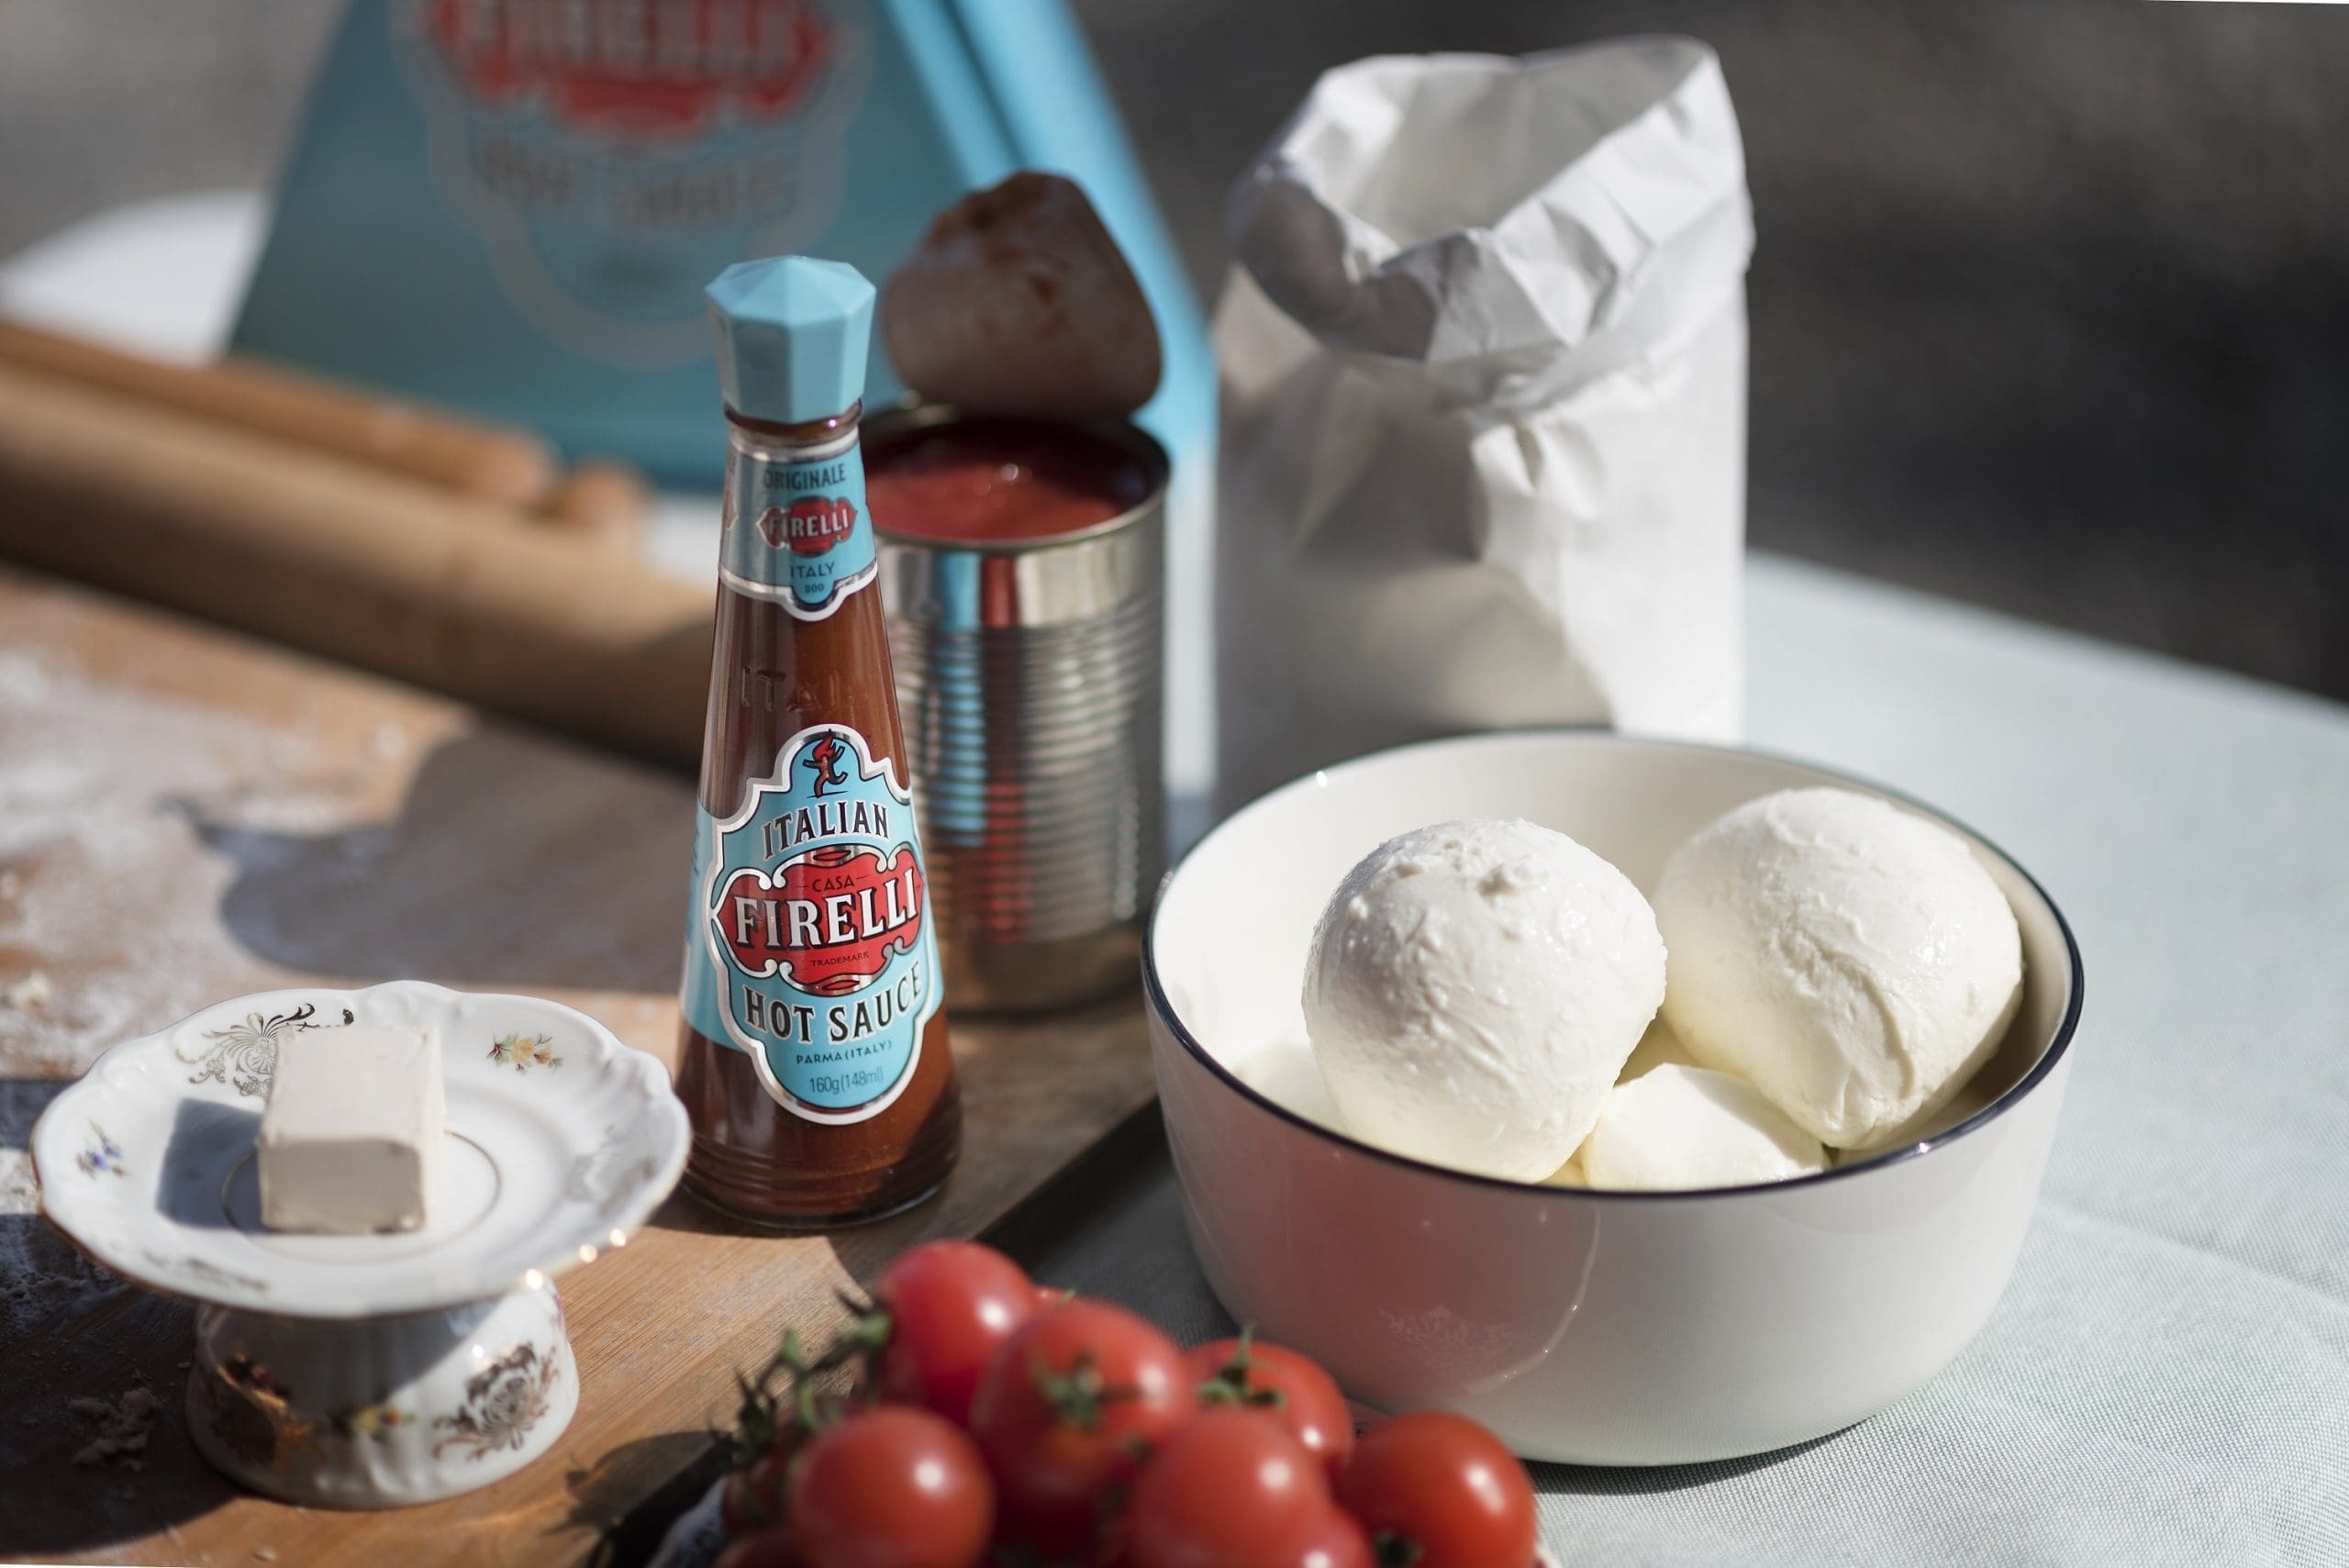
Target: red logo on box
<point x="665" y="69"/>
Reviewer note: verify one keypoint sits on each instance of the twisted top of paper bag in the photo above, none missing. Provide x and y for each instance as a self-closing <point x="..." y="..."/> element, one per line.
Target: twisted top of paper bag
<point x="1509" y="225"/>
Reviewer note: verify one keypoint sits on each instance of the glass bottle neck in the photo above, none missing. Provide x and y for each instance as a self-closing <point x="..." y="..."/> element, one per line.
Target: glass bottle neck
<point x="797" y="532"/>
<point x="809" y="439"/>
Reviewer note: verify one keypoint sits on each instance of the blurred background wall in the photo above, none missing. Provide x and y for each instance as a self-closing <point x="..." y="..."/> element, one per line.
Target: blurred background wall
<point x="2051" y="305"/>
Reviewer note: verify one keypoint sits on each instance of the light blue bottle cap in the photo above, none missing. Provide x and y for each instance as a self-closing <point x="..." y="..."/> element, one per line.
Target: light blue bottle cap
<point x="792" y="337"/>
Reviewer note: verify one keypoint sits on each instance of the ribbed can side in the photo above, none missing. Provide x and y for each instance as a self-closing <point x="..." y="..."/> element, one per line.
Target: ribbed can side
<point x="1030" y="684"/>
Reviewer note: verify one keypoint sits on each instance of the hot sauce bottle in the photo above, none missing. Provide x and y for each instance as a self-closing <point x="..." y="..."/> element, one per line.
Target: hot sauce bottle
<point x="814" y="1062"/>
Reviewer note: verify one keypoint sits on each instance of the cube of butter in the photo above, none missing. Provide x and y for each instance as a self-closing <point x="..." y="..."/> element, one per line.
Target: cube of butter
<point x="352" y="1135"/>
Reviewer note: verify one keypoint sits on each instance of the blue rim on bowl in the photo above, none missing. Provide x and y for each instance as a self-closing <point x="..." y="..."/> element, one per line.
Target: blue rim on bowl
<point x="1154" y="989"/>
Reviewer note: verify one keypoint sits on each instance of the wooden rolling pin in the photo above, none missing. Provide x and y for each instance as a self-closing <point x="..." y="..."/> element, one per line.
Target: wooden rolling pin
<point x="604" y="502"/>
<point x="389" y="573"/>
<point x="496" y="462"/>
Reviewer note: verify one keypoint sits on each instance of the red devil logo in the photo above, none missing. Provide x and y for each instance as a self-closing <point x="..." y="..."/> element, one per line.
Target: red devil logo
<point x="825" y="755"/>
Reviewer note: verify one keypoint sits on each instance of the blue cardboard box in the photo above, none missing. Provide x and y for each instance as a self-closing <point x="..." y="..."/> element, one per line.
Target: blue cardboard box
<point x="512" y="205"/>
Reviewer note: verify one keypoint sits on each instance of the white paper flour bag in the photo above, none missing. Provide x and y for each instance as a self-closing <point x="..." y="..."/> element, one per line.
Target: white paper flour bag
<point x="1483" y="364"/>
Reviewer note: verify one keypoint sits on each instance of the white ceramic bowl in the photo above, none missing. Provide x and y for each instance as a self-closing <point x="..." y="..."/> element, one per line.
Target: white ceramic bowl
<point x="1598" y="1328"/>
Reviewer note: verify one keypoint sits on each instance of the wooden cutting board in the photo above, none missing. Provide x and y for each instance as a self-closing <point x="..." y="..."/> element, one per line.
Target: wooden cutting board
<point x="185" y="815"/>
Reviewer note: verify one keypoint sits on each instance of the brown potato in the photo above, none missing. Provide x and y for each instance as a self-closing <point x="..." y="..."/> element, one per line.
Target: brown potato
<point x="1017" y="300"/>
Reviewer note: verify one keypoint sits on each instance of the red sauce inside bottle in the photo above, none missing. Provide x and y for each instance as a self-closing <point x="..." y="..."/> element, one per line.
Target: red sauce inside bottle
<point x="986" y="479"/>
<point x="775" y="674"/>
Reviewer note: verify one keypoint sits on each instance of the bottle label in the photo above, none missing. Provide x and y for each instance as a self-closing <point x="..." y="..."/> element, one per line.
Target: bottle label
<point x="795" y="530"/>
<point x="811" y="948"/>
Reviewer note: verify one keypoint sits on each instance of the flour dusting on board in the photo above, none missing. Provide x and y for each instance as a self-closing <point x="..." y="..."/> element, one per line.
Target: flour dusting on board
<point x="80" y="814"/>
<point x="119" y="1427"/>
<point x="40" y="1273"/>
<point x="84" y="816"/>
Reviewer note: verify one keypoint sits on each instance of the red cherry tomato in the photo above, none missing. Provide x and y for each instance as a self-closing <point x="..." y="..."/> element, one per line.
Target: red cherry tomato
<point x="751" y="1500"/>
<point x="1336" y="1541"/>
<point x="769" y="1549"/>
<point x="890" y="1487"/>
<point x="1444" y="1484"/>
<point x="950" y="1305"/>
<point x="1284" y="1384"/>
<point x="1069" y="1408"/>
<point x="1229" y="1489"/>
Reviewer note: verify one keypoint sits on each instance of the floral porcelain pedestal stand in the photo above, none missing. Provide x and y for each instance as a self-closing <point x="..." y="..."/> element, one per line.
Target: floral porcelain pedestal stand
<point x="387" y="1410"/>
<point x="369" y="1370"/>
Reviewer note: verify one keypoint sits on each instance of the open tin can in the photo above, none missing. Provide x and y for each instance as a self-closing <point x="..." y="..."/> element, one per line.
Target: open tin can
<point x="1029" y="681"/>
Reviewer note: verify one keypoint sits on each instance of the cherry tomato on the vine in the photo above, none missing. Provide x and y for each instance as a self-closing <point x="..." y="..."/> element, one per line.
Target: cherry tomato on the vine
<point x="1336" y="1542"/>
<point x="950" y="1305"/>
<point x="751" y="1500"/>
<point x="1444" y="1484"/>
<point x="1069" y="1408"/>
<point x="891" y="1488"/>
<point x="1304" y="1397"/>
<point x="1229" y="1489"/>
